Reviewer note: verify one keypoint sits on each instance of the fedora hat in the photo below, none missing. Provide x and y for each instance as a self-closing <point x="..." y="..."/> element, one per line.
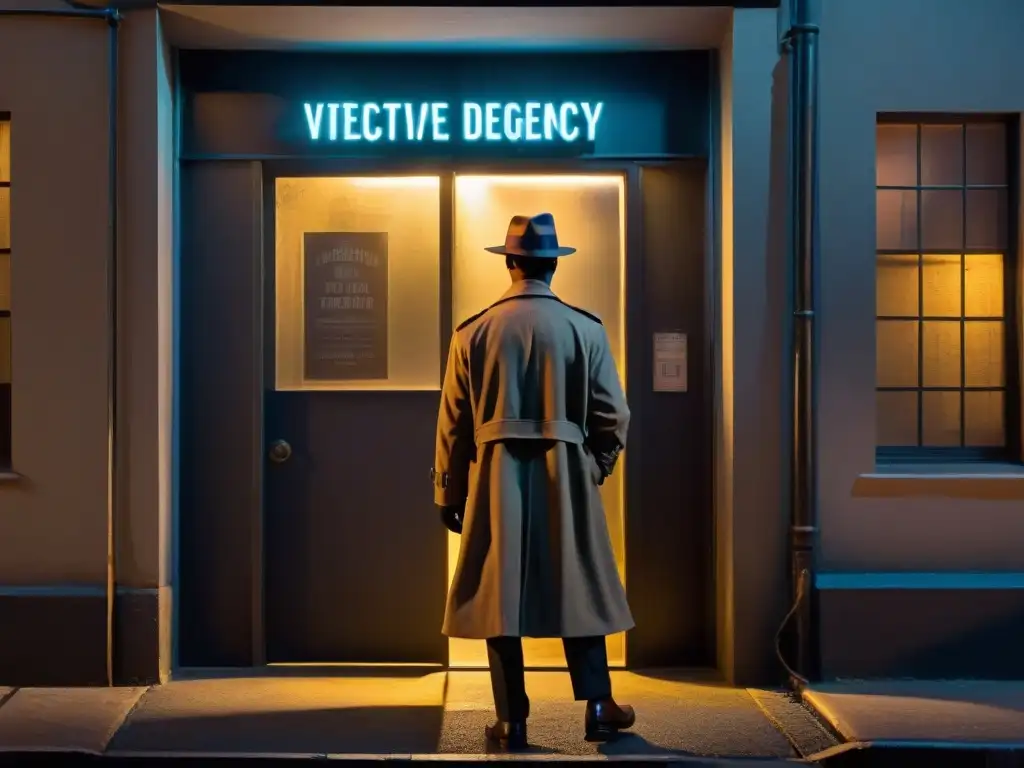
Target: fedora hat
<point x="533" y="236"/>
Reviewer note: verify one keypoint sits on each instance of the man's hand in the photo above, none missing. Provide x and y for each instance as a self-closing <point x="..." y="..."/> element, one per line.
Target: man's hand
<point x="606" y="455"/>
<point x="452" y="517"/>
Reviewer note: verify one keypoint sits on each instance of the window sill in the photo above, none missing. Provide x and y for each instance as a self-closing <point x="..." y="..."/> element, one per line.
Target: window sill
<point x="919" y="580"/>
<point x="981" y="481"/>
<point x="7" y="476"/>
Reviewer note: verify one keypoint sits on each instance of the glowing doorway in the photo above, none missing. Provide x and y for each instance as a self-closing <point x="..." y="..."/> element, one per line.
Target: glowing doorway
<point x="590" y="214"/>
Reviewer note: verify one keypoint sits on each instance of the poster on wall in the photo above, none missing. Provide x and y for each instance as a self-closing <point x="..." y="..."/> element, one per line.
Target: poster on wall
<point x="670" y="362"/>
<point x="345" y="276"/>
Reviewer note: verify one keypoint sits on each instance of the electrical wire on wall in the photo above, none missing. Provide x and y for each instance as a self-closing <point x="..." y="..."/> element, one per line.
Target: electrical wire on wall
<point x="796" y="679"/>
<point x="112" y="17"/>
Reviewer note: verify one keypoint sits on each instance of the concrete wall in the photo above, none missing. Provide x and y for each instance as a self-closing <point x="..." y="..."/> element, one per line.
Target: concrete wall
<point x="749" y="464"/>
<point x="881" y="524"/>
<point x="53" y="516"/>
<point x="900" y="56"/>
<point x="53" y="520"/>
<point x="145" y="514"/>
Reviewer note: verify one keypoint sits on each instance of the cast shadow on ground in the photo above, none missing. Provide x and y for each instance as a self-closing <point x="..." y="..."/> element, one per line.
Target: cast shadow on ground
<point x="532" y="749"/>
<point x="634" y="744"/>
<point x="352" y="730"/>
<point x="381" y="730"/>
<point x="630" y="744"/>
<point x="305" y="671"/>
<point x="344" y="730"/>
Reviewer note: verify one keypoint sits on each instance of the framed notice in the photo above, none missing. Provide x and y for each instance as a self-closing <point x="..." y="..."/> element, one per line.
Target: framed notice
<point x="345" y="297"/>
<point x="670" y="362"/>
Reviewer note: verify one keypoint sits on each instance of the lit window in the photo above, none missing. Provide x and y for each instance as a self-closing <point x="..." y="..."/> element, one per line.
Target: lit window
<point x="944" y="385"/>
<point x="5" y="291"/>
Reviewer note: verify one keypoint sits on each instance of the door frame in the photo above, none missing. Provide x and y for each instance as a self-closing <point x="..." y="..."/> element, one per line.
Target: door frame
<point x="631" y="170"/>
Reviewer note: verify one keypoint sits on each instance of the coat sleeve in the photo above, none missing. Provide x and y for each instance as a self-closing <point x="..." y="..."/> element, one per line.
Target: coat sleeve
<point x="454" y="445"/>
<point x="608" y="413"/>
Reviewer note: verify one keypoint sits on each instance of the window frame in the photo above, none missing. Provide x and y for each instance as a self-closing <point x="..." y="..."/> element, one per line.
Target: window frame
<point x="1011" y="450"/>
<point x="8" y="439"/>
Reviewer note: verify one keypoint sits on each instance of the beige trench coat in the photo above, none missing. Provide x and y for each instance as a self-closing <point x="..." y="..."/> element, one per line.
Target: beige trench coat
<point x="531" y="410"/>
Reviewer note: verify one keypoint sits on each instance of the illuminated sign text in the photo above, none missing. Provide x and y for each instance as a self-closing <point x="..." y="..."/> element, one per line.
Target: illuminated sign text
<point x="436" y="121"/>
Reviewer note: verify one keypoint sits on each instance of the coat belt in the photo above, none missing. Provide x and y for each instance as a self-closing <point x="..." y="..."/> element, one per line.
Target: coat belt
<point x="529" y="429"/>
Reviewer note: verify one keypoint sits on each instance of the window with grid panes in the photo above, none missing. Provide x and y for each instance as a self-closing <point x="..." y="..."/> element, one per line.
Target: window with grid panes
<point x="5" y="291"/>
<point x="945" y="382"/>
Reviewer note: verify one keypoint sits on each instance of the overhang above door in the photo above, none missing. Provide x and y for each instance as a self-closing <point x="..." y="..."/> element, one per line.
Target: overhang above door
<point x="261" y="26"/>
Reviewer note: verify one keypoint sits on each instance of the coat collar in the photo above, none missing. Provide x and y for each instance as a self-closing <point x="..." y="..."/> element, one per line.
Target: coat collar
<point x="528" y="288"/>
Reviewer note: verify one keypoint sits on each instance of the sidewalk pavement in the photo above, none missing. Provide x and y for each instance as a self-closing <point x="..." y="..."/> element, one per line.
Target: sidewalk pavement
<point x="391" y="713"/>
<point x="395" y="713"/>
<point x="968" y="722"/>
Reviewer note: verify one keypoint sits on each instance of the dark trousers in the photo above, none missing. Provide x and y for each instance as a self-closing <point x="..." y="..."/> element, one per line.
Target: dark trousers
<point x="587" y="658"/>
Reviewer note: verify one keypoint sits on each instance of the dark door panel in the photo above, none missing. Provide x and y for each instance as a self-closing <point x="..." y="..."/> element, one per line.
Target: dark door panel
<point x="668" y="518"/>
<point x="355" y="553"/>
<point x="220" y="445"/>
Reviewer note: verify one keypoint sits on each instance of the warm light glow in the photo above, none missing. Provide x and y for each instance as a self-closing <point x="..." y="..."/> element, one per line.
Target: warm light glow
<point x="589" y="210"/>
<point x="898" y="285"/>
<point x="471" y="184"/>
<point x="407" y="210"/>
<point x="352" y="665"/>
<point x="394" y="182"/>
<point x="941" y="351"/>
<point x="589" y="213"/>
<point x="334" y="386"/>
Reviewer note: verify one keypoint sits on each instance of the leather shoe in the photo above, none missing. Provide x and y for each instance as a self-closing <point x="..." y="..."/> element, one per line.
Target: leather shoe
<point x="605" y="718"/>
<point x="510" y="736"/>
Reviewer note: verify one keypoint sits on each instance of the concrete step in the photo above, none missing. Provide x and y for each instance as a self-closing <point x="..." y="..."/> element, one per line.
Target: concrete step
<point x="971" y="713"/>
<point x="962" y="723"/>
<point x="892" y="754"/>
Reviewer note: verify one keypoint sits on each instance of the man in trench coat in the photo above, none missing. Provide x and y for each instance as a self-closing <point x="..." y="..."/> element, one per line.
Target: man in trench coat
<point x="532" y="420"/>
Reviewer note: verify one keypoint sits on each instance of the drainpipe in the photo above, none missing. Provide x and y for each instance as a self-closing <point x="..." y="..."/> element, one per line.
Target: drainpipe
<point x="802" y="42"/>
<point x="113" y="19"/>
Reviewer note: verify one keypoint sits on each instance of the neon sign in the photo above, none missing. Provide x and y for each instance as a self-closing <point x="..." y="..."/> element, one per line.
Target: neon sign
<point x="435" y="121"/>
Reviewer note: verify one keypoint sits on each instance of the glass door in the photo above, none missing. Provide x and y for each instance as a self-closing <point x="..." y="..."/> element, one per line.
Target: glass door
<point x="589" y="211"/>
<point x="351" y="403"/>
<point x="354" y="556"/>
<point x="356" y="283"/>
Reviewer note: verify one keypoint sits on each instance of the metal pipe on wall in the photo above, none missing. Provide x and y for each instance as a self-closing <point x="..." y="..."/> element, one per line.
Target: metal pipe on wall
<point x="802" y="38"/>
<point x="113" y="19"/>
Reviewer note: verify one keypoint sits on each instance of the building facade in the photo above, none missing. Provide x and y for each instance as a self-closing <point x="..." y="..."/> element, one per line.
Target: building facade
<point x="300" y="199"/>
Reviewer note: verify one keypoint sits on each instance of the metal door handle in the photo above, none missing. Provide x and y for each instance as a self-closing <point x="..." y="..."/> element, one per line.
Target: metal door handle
<point x="280" y="451"/>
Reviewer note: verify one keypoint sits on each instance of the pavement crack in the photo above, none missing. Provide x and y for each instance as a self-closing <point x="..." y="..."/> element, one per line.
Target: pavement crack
<point x="796" y="724"/>
<point x="124" y="719"/>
